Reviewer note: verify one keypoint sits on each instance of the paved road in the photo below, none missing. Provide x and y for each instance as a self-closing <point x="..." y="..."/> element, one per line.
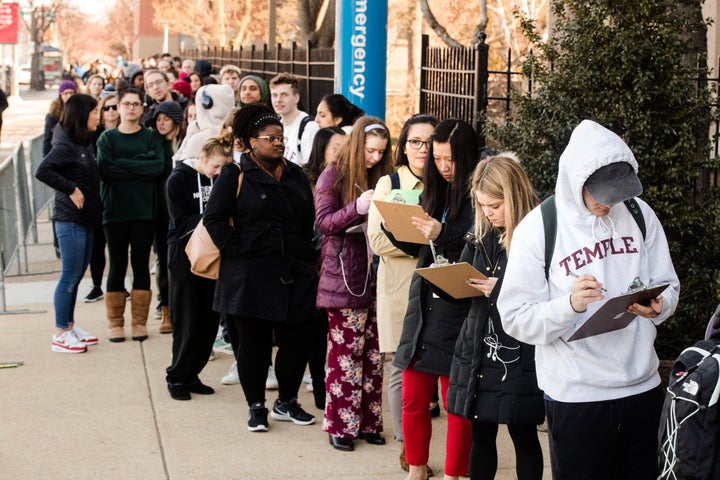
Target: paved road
<point x="107" y="414"/>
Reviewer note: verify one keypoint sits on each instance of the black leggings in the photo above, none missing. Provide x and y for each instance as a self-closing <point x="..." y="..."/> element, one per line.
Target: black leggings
<point x="138" y="236"/>
<point x="484" y="460"/>
<point x="251" y="339"/>
<point x="97" y="261"/>
<point x="161" y="270"/>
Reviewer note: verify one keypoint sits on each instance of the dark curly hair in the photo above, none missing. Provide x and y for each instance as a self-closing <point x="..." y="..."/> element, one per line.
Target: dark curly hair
<point x="250" y="119"/>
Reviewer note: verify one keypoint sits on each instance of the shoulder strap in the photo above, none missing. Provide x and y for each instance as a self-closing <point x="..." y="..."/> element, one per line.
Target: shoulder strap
<point x="549" y="216"/>
<point x="301" y="130"/>
<point x="395" y="181"/>
<point x="637" y="214"/>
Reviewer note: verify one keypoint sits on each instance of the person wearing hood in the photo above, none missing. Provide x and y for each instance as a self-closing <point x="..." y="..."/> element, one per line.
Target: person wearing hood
<point x="213" y="103"/>
<point x="191" y="297"/>
<point x="133" y="73"/>
<point x="204" y="69"/>
<point x="70" y="168"/>
<point x="602" y="392"/>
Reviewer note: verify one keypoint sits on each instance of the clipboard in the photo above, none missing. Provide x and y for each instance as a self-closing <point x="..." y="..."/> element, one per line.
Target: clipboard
<point x="399" y="216"/>
<point x="613" y="314"/>
<point x="452" y="278"/>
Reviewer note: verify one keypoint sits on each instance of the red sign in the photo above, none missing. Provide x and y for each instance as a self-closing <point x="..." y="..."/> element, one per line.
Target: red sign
<point x="8" y="23"/>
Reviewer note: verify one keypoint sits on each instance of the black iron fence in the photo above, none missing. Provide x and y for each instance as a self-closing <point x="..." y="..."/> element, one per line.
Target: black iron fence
<point x="315" y="66"/>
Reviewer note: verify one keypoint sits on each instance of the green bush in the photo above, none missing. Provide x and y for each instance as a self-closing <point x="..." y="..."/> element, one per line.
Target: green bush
<point x="630" y="66"/>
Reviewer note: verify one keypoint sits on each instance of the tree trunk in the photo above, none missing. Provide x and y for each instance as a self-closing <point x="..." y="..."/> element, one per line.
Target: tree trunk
<point x="436" y="27"/>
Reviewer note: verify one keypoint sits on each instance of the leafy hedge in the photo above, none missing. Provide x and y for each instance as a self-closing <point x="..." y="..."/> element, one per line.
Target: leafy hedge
<point x="630" y="65"/>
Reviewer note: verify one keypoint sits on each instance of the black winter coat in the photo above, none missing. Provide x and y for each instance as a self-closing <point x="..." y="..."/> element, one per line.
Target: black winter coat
<point x="268" y="260"/>
<point x="66" y="166"/>
<point x="492" y="378"/>
<point x="432" y="324"/>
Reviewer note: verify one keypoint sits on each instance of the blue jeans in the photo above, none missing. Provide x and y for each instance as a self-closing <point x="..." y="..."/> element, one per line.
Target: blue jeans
<point x="76" y="244"/>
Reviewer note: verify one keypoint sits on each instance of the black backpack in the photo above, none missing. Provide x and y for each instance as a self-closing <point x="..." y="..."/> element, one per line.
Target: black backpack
<point x="689" y="433"/>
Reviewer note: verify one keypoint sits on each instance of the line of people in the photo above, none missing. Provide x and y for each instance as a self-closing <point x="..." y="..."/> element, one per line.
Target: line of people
<point x="309" y="266"/>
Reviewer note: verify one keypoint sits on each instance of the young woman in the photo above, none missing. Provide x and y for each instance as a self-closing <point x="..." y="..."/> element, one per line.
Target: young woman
<point x="67" y="89"/>
<point x="354" y="365"/>
<point x="70" y="168"/>
<point x="133" y="166"/>
<point x="336" y="110"/>
<point x="95" y="85"/>
<point x="109" y="118"/>
<point x="271" y="232"/>
<point x="167" y="119"/>
<point x="253" y="89"/>
<point x="326" y="147"/>
<point x="432" y="324"/>
<point x="194" y="323"/>
<point x="396" y="267"/>
<point x="492" y="378"/>
<point x="196" y="82"/>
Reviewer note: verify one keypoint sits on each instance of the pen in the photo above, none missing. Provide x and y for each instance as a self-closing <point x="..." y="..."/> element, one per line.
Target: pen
<point x="360" y="188"/>
<point x="575" y="275"/>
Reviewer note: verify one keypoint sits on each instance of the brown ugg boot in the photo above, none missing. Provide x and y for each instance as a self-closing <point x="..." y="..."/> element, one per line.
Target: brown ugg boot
<point x="115" y="308"/>
<point x="165" y="326"/>
<point x="140" y="307"/>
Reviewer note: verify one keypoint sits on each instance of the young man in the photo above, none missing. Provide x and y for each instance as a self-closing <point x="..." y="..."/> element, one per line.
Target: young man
<point x="157" y="88"/>
<point x="230" y="75"/>
<point x="603" y="394"/>
<point x="285" y="96"/>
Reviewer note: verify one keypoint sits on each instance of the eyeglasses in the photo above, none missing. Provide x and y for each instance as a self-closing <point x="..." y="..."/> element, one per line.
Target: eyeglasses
<point x="109" y="107"/>
<point x="156" y="83"/>
<point x="131" y="104"/>
<point x="416" y="143"/>
<point x="273" y="139"/>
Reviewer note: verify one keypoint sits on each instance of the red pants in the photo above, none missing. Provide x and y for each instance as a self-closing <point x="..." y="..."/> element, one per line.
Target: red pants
<point x="417" y="391"/>
<point x="354" y="374"/>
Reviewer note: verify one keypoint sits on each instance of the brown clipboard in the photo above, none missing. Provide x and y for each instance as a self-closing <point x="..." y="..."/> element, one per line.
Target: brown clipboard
<point x="613" y="315"/>
<point x="398" y="216"/>
<point x="452" y="278"/>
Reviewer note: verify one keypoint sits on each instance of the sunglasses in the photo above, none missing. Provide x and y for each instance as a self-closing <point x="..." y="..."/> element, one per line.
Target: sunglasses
<point x="109" y="107"/>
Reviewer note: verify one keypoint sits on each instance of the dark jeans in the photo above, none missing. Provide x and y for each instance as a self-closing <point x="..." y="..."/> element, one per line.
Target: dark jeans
<point x="137" y="236"/>
<point x="612" y="439"/>
<point x="194" y="322"/>
<point x="251" y="339"/>
<point x="484" y="459"/>
<point x="75" y="242"/>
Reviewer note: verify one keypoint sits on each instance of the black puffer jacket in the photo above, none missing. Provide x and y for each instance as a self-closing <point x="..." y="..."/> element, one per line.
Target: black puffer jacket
<point x="432" y="324"/>
<point x="66" y="166"/>
<point x="492" y="378"/>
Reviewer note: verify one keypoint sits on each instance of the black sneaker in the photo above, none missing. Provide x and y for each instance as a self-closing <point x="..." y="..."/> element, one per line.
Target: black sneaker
<point x="257" y="418"/>
<point x="291" y="412"/>
<point x="95" y="294"/>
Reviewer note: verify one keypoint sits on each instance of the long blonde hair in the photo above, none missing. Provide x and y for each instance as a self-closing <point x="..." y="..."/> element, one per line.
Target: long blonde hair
<point x="502" y="178"/>
<point x="351" y="159"/>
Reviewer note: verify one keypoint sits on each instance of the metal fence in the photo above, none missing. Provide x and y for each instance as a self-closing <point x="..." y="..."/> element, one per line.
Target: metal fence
<point x="315" y="66"/>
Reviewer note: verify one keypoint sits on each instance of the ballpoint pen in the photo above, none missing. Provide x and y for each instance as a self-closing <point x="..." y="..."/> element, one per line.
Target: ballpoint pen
<point x="575" y="275"/>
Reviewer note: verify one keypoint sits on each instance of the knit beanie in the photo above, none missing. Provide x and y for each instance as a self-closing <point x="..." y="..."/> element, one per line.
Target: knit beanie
<point x="230" y="68"/>
<point x="183" y="87"/>
<point x="264" y="89"/>
<point x="170" y="108"/>
<point x="67" y="85"/>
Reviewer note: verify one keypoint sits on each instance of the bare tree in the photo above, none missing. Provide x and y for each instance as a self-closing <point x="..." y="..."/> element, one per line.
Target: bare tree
<point x="41" y="19"/>
<point x="120" y="31"/>
<point x="317" y="22"/>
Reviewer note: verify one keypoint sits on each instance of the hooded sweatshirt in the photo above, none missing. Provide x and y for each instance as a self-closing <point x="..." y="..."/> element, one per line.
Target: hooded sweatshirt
<point x="213" y="103"/>
<point x="187" y="194"/>
<point x="611" y="248"/>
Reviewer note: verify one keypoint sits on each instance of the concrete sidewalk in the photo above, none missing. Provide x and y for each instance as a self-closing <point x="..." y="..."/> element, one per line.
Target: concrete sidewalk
<point x="107" y="413"/>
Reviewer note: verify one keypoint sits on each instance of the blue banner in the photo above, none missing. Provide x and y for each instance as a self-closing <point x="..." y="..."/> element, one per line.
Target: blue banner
<point x="361" y="53"/>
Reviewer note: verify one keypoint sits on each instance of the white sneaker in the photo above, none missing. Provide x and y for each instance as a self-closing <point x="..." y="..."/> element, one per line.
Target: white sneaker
<point x="84" y="336"/>
<point x="307" y="379"/>
<point x="271" y="382"/>
<point x="231" y="377"/>
<point x="67" y="342"/>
